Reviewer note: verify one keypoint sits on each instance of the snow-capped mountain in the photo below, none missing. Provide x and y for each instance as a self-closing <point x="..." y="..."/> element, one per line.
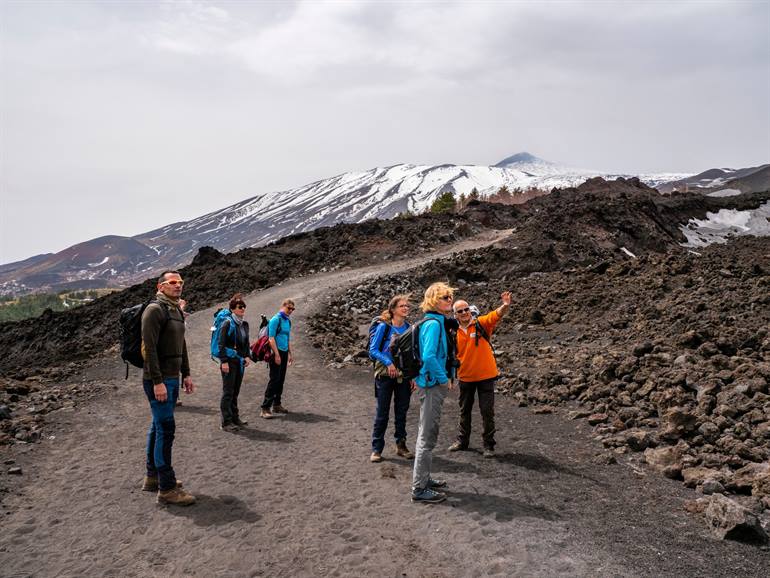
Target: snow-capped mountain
<point x="356" y="196"/>
<point x="349" y="197"/>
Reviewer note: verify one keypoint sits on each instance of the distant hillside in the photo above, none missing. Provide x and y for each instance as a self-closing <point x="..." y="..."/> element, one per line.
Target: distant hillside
<point x="748" y="180"/>
<point x="350" y="197"/>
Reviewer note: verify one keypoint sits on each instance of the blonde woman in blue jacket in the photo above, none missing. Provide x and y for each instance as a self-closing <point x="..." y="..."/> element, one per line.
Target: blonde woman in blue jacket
<point x="435" y="379"/>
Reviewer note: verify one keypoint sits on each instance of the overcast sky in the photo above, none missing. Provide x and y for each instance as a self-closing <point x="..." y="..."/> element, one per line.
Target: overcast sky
<point x="118" y="117"/>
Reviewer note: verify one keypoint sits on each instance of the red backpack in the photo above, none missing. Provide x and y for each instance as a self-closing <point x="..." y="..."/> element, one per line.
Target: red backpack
<point x="260" y="349"/>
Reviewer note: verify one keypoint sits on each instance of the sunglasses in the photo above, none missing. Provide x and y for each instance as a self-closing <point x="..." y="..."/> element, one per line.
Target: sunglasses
<point x="239" y="307"/>
<point x="290" y="308"/>
<point x="173" y="282"/>
<point x="446" y="298"/>
<point x="465" y="310"/>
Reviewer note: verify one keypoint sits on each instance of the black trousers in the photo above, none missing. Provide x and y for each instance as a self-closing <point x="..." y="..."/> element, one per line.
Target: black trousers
<point x="231" y="387"/>
<point x="486" y="391"/>
<point x="275" y="385"/>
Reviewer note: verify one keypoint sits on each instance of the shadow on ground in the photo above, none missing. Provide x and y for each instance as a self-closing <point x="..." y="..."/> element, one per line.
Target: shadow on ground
<point x="307" y="417"/>
<point x="196" y="409"/>
<point x="541" y="464"/>
<point x="210" y="511"/>
<point x="504" y="509"/>
<point x="258" y="435"/>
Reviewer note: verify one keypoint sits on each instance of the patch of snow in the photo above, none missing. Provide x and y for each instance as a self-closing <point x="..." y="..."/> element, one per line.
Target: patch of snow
<point x="720" y="226"/>
<point x="725" y="193"/>
<point x="627" y="252"/>
<point x="102" y="262"/>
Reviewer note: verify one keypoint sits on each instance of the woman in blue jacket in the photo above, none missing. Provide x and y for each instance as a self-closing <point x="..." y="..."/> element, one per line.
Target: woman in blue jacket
<point x="234" y="354"/>
<point x="435" y="379"/>
<point x="388" y="382"/>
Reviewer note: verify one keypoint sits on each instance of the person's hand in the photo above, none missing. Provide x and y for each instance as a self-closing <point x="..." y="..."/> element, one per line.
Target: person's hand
<point x="506" y="297"/>
<point x="160" y="392"/>
<point x="276" y="358"/>
<point x="412" y="386"/>
<point x="225" y="367"/>
<point x="246" y="362"/>
<point x="450" y="385"/>
<point x="290" y="359"/>
<point x="189" y="386"/>
<point x="392" y="371"/>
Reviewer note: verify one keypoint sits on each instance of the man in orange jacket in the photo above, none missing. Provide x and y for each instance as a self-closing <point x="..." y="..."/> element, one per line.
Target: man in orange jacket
<point x="478" y="371"/>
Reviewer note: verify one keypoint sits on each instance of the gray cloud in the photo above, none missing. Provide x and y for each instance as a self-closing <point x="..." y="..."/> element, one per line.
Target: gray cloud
<point x="116" y="118"/>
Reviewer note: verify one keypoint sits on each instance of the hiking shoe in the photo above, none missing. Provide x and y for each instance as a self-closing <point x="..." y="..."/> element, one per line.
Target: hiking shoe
<point x="150" y="484"/>
<point x="403" y="451"/>
<point x="488" y="453"/>
<point x="239" y="422"/>
<point x="229" y="427"/>
<point x="266" y="413"/>
<point x="436" y="483"/>
<point x="279" y="409"/>
<point x="428" y="496"/>
<point x="375" y="458"/>
<point x="457" y="446"/>
<point x="176" y="497"/>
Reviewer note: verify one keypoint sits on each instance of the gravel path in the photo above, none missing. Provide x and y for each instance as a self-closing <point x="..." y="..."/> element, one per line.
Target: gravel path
<point x="297" y="496"/>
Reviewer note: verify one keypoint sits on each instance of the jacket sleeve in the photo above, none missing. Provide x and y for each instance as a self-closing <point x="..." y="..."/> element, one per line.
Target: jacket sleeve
<point x="152" y="320"/>
<point x="381" y="356"/>
<point x="430" y="333"/>
<point x="185" y="361"/>
<point x="489" y="321"/>
<point x="222" y="344"/>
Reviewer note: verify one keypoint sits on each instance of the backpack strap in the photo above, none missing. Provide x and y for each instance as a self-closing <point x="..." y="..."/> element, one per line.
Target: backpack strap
<point x="480" y="331"/>
<point x="166" y="319"/>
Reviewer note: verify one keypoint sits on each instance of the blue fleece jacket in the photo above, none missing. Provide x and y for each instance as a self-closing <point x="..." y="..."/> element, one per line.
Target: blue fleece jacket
<point x="383" y="334"/>
<point x="433" y="351"/>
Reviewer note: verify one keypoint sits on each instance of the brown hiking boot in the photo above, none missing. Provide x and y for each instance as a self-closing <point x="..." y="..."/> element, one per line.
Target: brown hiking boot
<point x="403" y="451"/>
<point x="266" y="413"/>
<point x="375" y="458"/>
<point x="151" y="484"/>
<point x="279" y="409"/>
<point x="176" y="497"/>
<point x="457" y="447"/>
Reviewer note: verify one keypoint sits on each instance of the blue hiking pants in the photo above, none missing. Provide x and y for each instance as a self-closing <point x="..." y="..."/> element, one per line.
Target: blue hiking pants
<point x="386" y="389"/>
<point x="160" y="436"/>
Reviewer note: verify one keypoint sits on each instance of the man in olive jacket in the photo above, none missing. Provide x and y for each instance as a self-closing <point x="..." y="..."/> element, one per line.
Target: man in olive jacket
<point x="165" y="357"/>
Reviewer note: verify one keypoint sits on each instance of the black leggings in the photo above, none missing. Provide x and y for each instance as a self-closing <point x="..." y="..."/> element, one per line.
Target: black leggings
<point x="231" y="387"/>
<point x="275" y="385"/>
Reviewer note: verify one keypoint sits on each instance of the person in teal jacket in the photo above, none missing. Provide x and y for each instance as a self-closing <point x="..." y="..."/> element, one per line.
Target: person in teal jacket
<point x="433" y="382"/>
<point x="279" y="331"/>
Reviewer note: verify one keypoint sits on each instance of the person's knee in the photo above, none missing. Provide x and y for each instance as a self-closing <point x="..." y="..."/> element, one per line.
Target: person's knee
<point x="168" y="427"/>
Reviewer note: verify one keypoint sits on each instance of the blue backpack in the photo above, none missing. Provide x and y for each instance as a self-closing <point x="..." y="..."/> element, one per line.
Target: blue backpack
<point x="216" y="329"/>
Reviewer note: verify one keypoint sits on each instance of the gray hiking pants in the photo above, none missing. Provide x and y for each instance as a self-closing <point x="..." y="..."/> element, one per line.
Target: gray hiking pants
<point x="431" y="402"/>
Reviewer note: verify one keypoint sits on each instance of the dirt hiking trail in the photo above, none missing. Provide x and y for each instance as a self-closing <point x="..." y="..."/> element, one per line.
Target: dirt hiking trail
<point x="297" y="496"/>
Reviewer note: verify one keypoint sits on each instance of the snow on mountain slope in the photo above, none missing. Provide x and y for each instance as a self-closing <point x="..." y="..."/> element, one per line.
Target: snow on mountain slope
<point x="381" y="192"/>
<point x="357" y="196"/>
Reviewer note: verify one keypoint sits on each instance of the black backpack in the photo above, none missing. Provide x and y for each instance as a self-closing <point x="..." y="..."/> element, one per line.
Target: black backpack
<point x="131" y="333"/>
<point x="406" y="350"/>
